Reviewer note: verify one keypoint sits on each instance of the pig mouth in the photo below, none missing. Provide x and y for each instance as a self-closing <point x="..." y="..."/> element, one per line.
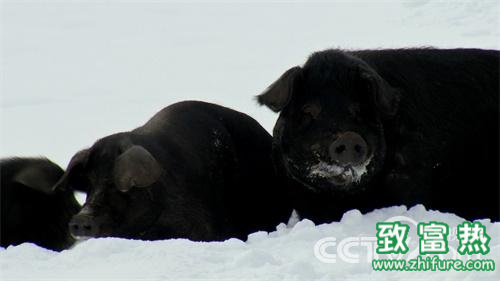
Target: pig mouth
<point x="338" y="175"/>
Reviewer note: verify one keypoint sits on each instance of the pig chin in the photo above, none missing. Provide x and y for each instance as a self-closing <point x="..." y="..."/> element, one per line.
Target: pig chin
<point x="323" y="176"/>
<point x="339" y="176"/>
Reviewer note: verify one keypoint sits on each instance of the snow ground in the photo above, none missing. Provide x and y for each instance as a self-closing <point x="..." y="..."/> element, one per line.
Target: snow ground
<point x="286" y="254"/>
<point x="75" y="71"/>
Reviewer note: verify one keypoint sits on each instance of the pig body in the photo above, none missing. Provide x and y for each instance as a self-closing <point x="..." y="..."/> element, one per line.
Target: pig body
<point x="195" y="170"/>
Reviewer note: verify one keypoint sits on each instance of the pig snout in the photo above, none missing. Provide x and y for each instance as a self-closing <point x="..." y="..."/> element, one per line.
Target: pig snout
<point x="349" y="149"/>
<point x="87" y="224"/>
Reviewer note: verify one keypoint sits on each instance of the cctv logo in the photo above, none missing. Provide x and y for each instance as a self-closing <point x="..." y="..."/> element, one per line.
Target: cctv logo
<point x="357" y="249"/>
<point x="351" y="249"/>
<point x="347" y="250"/>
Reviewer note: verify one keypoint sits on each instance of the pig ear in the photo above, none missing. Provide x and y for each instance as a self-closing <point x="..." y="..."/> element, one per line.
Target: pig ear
<point x="40" y="177"/>
<point x="277" y="96"/>
<point x="384" y="96"/>
<point x="135" y="167"/>
<point x="78" y="161"/>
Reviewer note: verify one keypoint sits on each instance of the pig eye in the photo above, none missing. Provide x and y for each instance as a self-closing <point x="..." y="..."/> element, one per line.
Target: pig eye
<point x="305" y="120"/>
<point x="313" y="110"/>
<point x="354" y="109"/>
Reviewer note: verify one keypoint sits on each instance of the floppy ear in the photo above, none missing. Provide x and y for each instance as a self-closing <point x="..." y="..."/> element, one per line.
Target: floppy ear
<point x="385" y="97"/>
<point x="41" y="176"/>
<point x="277" y="96"/>
<point x="135" y="167"/>
<point x="77" y="161"/>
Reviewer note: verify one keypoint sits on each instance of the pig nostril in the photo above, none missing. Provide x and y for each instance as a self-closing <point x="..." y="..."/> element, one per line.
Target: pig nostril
<point x="75" y="227"/>
<point x="87" y="227"/>
<point x="358" y="148"/>
<point x="340" y="149"/>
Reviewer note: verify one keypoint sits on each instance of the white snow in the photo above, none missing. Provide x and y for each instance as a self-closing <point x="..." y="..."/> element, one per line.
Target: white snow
<point x="75" y="71"/>
<point x="285" y="254"/>
<point x="328" y="171"/>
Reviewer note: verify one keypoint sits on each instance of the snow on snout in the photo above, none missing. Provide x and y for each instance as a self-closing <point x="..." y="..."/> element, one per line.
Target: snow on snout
<point x="325" y="170"/>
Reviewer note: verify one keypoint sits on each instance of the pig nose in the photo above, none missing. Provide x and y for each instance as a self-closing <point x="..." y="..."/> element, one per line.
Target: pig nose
<point x="83" y="225"/>
<point x="348" y="149"/>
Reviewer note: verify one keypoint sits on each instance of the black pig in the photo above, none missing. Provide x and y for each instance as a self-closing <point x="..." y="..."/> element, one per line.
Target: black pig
<point x="195" y="170"/>
<point x="374" y="128"/>
<point x="31" y="211"/>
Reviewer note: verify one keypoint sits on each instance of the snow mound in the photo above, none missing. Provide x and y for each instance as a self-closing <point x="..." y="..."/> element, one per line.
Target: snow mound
<point x="285" y="254"/>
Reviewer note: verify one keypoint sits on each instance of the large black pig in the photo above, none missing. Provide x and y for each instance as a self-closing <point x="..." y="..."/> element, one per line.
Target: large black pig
<point x="31" y="211"/>
<point x="195" y="170"/>
<point x="374" y="128"/>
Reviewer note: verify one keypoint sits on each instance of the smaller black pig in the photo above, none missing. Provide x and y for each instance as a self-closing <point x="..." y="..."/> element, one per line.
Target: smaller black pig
<point x="31" y="210"/>
<point x="195" y="170"/>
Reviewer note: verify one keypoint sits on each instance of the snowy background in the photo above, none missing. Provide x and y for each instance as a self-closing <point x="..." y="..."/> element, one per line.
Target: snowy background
<point x="75" y="71"/>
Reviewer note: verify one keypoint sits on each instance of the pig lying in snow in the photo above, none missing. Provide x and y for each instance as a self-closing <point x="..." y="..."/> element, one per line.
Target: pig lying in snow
<point x="376" y="128"/>
<point x="31" y="210"/>
<point x="195" y="170"/>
